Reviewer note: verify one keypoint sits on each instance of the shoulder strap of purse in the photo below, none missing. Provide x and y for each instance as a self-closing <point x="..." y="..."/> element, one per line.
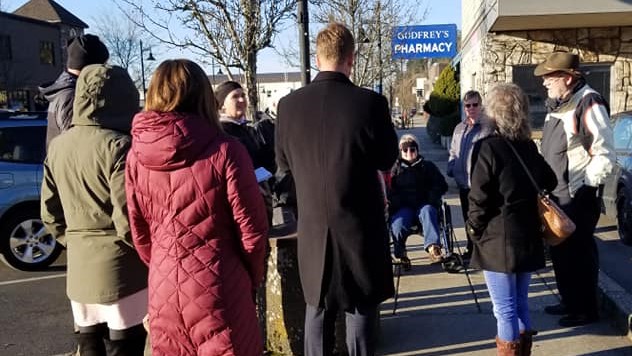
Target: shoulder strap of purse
<point x="535" y="184"/>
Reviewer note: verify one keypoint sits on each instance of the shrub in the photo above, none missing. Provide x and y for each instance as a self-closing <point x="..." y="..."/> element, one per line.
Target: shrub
<point x="432" y="128"/>
<point x="448" y="123"/>
<point x="444" y="101"/>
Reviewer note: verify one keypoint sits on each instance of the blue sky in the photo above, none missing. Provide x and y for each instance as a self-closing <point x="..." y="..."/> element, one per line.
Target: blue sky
<point x="441" y="12"/>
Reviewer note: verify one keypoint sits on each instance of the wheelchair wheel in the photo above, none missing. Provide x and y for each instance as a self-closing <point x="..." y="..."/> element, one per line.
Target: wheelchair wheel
<point x="447" y="213"/>
<point x="445" y="228"/>
<point x="453" y="262"/>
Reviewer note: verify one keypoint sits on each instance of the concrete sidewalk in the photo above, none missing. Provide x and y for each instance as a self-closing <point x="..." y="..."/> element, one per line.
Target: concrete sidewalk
<point x="451" y="314"/>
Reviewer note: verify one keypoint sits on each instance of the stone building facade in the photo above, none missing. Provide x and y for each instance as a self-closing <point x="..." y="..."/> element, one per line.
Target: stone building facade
<point x="503" y="47"/>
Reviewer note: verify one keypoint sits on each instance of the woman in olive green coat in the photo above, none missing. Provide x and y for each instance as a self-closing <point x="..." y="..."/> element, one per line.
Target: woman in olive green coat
<point x="84" y="207"/>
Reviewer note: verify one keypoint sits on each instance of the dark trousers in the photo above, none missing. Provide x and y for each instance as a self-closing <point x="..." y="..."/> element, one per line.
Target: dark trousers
<point x="98" y="340"/>
<point x="465" y="206"/>
<point x="576" y="260"/>
<point x="320" y="331"/>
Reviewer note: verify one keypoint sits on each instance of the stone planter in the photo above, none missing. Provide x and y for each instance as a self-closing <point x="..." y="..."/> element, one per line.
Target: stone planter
<point x="280" y="303"/>
<point x="284" y="304"/>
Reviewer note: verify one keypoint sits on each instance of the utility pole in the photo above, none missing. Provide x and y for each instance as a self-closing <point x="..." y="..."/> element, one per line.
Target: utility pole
<point x="402" y="89"/>
<point x="379" y="46"/>
<point x="303" y="36"/>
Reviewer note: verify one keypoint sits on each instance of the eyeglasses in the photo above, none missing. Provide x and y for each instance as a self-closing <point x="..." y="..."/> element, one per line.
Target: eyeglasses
<point x="473" y="105"/>
<point x="409" y="149"/>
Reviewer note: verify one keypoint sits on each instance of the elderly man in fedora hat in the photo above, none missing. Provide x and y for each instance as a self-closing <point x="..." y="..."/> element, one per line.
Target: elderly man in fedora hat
<point x="577" y="143"/>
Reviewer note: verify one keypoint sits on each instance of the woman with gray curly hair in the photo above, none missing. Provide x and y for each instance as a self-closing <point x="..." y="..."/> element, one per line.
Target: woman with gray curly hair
<point x="503" y="218"/>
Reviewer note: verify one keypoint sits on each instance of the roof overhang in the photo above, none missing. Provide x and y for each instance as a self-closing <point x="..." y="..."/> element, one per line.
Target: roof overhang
<point x="558" y="21"/>
<point x="513" y="15"/>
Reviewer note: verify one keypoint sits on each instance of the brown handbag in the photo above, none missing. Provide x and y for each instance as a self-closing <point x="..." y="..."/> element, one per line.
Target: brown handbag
<point x="556" y="225"/>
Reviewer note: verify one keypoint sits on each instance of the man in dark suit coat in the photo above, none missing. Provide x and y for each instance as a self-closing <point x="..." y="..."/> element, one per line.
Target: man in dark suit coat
<point x="334" y="137"/>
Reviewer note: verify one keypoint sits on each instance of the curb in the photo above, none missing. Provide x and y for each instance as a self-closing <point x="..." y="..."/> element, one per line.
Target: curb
<point x="616" y="303"/>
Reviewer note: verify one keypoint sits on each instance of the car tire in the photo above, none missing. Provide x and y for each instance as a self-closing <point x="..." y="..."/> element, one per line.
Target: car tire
<point x="24" y="242"/>
<point x="624" y="218"/>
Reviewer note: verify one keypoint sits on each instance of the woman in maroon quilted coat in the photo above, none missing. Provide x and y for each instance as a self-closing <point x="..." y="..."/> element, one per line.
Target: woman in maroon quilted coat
<point x="197" y="220"/>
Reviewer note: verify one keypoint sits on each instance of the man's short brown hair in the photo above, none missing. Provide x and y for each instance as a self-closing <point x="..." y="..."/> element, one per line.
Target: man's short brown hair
<point x="334" y="43"/>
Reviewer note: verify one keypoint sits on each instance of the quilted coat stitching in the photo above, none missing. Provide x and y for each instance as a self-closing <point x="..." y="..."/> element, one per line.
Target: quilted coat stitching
<point x="192" y="229"/>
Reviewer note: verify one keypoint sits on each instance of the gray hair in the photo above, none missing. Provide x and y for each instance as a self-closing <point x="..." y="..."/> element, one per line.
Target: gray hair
<point x="508" y="109"/>
<point x="408" y="138"/>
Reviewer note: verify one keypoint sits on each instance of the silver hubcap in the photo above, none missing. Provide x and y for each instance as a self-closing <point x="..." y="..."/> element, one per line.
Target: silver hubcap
<point x="30" y="242"/>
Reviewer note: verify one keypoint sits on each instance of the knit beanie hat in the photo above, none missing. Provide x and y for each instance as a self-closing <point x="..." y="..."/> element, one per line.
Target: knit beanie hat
<point x="84" y="50"/>
<point x="222" y="91"/>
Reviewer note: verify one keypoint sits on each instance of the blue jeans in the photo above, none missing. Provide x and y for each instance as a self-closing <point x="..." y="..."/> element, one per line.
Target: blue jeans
<point x="509" y="293"/>
<point x="402" y="222"/>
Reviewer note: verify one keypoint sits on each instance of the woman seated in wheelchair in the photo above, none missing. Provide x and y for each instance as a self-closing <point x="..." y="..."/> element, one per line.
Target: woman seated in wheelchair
<point x="414" y="199"/>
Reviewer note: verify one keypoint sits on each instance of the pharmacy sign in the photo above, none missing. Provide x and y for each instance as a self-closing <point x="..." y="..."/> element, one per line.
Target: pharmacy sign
<point x="432" y="41"/>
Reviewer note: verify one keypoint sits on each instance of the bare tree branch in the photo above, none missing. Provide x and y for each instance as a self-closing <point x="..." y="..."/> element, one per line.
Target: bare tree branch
<point x="371" y="23"/>
<point x="123" y="39"/>
<point x="227" y="33"/>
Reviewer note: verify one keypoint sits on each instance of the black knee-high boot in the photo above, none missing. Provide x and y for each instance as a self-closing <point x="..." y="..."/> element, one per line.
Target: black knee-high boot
<point x="128" y="342"/>
<point x="91" y="340"/>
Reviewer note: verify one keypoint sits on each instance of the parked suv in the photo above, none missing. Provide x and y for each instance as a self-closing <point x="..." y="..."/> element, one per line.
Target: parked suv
<point x="24" y="242"/>
<point x="617" y="197"/>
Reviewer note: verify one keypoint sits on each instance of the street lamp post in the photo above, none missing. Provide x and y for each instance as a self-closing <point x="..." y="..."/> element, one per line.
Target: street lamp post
<point x="142" y="66"/>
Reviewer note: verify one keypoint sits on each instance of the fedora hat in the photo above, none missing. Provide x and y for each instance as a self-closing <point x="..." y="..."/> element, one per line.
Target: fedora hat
<point x="559" y="62"/>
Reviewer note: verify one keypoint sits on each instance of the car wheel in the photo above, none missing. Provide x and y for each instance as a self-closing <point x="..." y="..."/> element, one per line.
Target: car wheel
<point x="24" y="242"/>
<point x="624" y="218"/>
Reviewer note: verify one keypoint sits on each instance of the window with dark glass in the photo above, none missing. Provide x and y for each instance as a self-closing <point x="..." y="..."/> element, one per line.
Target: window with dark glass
<point x="47" y="52"/>
<point x="25" y="144"/>
<point x="5" y="47"/>
<point x="18" y="100"/>
<point x="4" y="99"/>
<point x="597" y="76"/>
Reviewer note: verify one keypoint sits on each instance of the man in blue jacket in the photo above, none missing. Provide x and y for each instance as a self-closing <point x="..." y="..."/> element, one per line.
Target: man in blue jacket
<point x="82" y="51"/>
<point x="465" y="135"/>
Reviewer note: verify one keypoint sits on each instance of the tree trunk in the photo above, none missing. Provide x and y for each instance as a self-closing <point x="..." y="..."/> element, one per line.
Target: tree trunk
<point x="251" y="83"/>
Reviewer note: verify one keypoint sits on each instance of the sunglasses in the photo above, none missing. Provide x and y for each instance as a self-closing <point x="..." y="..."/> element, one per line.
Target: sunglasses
<point x="409" y="149"/>
<point x="473" y="105"/>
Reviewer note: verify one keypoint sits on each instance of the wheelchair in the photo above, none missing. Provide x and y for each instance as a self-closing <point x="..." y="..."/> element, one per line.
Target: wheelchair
<point x="452" y="261"/>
